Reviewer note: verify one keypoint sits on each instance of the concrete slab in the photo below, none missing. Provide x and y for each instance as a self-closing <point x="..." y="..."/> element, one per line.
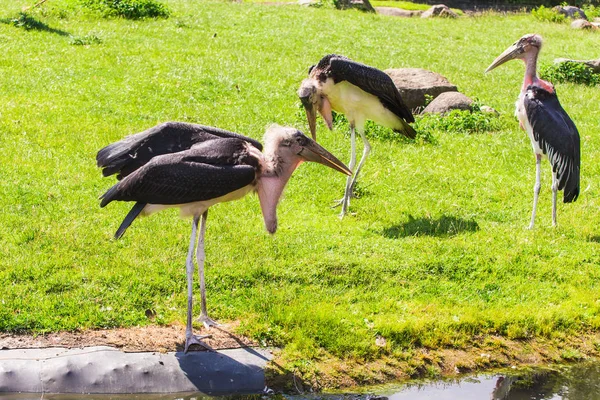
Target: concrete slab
<point x="109" y="370"/>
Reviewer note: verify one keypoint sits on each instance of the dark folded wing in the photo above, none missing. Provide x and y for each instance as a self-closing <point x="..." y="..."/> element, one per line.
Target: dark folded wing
<point x="166" y="182"/>
<point x="134" y="151"/>
<point x="557" y="136"/>
<point x="372" y="81"/>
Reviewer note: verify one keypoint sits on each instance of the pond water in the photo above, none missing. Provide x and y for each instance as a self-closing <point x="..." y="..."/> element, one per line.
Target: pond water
<point x="576" y="382"/>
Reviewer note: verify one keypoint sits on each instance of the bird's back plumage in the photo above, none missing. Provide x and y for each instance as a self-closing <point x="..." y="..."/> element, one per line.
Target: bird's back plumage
<point x="206" y="171"/>
<point x="557" y="136"/>
<point x="368" y="79"/>
<point x="371" y="80"/>
<point x="134" y="151"/>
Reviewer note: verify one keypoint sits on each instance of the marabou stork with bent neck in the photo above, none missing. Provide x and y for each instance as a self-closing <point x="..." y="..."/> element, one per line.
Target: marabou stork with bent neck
<point x="359" y="92"/>
<point x="193" y="167"/>
<point x="549" y="127"/>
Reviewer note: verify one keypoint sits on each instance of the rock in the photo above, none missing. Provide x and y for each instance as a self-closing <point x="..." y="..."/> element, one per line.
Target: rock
<point x="439" y="10"/>
<point x="489" y="110"/>
<point x="307" y="2"/>
<point x="570" y="12"/>
<point x="414" y="83"/>
<point x="396" y="12"/>
<point x="583" y="24"/>
<point x="448" y="101"/>
<point x="364" y="5"/>
<point x="593" y="64"/>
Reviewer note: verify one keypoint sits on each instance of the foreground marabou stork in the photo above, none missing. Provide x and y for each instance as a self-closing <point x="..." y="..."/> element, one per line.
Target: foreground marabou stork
<point x="550" y="129"/>
<point x="193" y="167"/>
<point x="361" y="93"/>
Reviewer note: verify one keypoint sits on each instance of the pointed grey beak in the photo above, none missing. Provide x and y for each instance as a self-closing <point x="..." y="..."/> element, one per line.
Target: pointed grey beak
<point x="312" y="151"/>
<point x="509" y="54"/>
<point x="311" y="116"/>
<point x="307" y="92"/>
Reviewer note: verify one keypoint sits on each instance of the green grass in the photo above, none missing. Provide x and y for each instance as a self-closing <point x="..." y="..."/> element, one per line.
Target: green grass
<point x="569" y="71"/>
<point x="436" y="254"/>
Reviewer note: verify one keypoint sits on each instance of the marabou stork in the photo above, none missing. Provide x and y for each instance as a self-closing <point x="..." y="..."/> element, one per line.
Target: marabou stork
<point x="550" y="129"/>
<point x="360" y="92"/>
<point x="193" y="167"/>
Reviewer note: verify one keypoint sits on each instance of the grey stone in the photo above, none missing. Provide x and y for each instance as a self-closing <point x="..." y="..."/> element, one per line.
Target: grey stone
<point x="414" y="83"/>
<point x="396" y="12"/>
<point x="593" y="64"/>
<point x="359" y="4"/>
<point x="570" y="12"/>
<point x="583" y="24"/>
<point x="489" y="110"/>
<point x="307" y="2"/>
<point x="107" y="370"/>
<point x="448" y="101"/>
<point x="439" y="10"/>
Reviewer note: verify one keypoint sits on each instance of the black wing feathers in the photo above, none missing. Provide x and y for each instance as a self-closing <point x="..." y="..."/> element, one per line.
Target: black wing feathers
<point x="557" y="136"/>
<point x="131" y="153"/>
<point x="371" y="80"/>
<point x="131" y="215"/>
<point x="203" y="172"/>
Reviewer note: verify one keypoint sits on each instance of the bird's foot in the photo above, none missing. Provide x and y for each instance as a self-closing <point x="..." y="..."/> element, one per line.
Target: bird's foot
<point x="345" y="207"/>
<point x="530" y="227"/>
<point x="191" y="339"/>
<point x="207" y="321"/>
<point x="341" y="201"/>
<point x="343" y="213"/>
<point x="337" y="203"/>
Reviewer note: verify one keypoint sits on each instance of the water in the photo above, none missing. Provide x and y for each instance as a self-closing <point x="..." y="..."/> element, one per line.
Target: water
<point x="576" y="382"/>
<point x="580" y="382"/>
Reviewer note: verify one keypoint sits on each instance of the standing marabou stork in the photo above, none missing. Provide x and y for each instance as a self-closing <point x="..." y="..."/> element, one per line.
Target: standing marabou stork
<point x="360" y="92"/>
<point x="193" y="167"/>
<point x="550" y="129"/>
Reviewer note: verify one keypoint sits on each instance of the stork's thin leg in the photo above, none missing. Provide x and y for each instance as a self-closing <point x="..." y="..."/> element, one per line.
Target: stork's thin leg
<point x="536" y="187"/>
<point x="200" y="256"/>
<point x="190" y="338"/>
<point x="366" y="151"/>
<point x="554" y="195"/>
<point x="345" y="201"/>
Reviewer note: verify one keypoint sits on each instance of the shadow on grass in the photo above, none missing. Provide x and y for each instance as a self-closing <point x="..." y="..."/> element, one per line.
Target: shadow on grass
<point x="29" y="23"/>
<point x="445" y="226"/>
<point x="595" y="238"/>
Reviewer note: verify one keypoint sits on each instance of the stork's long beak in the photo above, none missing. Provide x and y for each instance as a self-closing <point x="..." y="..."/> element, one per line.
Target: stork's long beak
<point x="311" y="116"/>
<point x="509" y="54"/>
<point x="314" y="152"/>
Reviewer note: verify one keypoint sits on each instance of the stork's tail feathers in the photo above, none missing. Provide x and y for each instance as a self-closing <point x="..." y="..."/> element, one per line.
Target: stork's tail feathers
<point x="571" y="190"/>
<point x="407" y="130"/>
<point x="131" y="215"/>
<point x="137" y="208"/>
<point x="109" y="195"/>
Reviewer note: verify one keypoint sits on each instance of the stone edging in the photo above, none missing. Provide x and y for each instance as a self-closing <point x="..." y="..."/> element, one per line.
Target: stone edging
<point x="108" y="370"/>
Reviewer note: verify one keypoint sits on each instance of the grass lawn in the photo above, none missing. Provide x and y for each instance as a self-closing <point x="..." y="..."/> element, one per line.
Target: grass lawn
<point x="436" y="256"/>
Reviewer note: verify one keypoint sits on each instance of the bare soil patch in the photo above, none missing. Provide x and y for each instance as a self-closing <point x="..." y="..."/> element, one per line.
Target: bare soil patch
<point x="147" y="338"/>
